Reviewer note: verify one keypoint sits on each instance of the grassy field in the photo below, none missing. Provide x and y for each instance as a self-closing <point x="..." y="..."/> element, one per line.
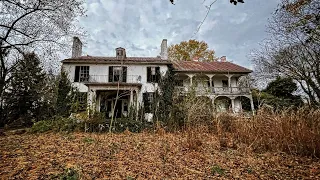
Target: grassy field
<point x="156" y="155"/>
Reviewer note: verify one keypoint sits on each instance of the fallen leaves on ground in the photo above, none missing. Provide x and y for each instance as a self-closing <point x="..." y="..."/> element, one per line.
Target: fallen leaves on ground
<point x="142" y="156"/>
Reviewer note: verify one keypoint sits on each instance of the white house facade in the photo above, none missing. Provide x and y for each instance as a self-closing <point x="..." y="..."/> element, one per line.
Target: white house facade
<point x="113" y="84"/>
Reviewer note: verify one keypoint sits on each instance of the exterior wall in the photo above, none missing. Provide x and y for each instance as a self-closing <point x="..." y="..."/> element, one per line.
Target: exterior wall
<point x="103" y="70"/>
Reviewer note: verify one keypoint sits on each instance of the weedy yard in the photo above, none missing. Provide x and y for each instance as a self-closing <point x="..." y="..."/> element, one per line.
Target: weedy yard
<point x="146" y="155"/>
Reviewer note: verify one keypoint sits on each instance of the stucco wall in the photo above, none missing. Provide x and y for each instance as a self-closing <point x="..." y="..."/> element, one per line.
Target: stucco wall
<point x="102" y="70"/>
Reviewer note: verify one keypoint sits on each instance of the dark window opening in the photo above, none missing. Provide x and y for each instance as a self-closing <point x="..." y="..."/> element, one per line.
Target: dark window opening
<point x="81" y="74"/>
<point x="117" y="74"/>
<point x="125" y="106"/>
<point x="225" y="83"/>
<point x="81" y="98"/>
<point x="153" y="74"/>
<point x="147" y="101"/>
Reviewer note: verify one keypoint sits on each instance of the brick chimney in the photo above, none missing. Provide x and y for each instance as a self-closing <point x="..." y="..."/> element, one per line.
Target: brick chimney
<point x="76" y="47"/>
<point x="223" y="59"/>
<point x="196" y="58"/>
<point x="164" y="49"/>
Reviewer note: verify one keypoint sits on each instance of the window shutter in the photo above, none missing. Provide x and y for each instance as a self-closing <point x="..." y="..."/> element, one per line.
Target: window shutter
<point x="148" y="74"/>
<point x="110" y="73"/>
<point x="76" y="74"/>
<point x="158" y="75"/>
<point x="124" y="74"/>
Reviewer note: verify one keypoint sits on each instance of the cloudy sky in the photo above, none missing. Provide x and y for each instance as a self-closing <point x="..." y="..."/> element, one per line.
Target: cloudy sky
<point x="140" y="25"/>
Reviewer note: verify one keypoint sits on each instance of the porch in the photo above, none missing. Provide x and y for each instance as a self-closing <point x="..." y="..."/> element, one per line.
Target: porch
<point x="113" y="99"/>
<point x="211" y="84"/>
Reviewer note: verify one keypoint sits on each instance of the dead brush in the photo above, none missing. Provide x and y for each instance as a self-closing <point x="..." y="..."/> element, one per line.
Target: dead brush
<point x="292" y="131"/>
<point x="223" y="123"/>
<point x="194" y="137"/>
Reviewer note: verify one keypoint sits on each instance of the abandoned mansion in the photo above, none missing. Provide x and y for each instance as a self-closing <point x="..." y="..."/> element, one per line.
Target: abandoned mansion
<point x="113" y="84"/>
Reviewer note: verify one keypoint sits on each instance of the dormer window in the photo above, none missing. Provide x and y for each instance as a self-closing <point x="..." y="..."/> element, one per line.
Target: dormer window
<point x="120" y="52"/>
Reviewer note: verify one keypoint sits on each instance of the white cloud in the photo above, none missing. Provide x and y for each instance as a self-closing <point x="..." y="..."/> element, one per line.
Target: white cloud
<point x="140" y="25"/>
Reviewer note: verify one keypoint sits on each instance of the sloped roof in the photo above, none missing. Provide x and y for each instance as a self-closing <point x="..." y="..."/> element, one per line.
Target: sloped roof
<point x="109" y="60"/>
<point x="215" y="66"/>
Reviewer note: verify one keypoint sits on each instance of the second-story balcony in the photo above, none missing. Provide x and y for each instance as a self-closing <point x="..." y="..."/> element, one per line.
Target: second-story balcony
<point x="113" y="79"/>
<point x="214" y="90"/>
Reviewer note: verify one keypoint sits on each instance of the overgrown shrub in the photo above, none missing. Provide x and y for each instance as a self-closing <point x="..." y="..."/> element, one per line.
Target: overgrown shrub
<point x="122" y="124"/>
<point x="56" y="124"/>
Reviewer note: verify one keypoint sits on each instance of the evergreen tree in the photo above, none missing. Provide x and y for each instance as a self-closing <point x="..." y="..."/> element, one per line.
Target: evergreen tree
<point x="24" y="98"/>
<point x="65" y="96"/>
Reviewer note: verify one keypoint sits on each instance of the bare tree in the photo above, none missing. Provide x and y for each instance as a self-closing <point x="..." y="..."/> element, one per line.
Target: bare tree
<point x="34" y="25"/>
<point x="294" y="47"/>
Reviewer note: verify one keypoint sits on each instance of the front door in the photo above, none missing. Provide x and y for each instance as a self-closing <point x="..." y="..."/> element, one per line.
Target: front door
<point x="118" y="109"/>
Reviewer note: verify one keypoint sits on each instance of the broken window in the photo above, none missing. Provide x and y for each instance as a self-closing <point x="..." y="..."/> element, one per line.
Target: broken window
<point x="153" y="74"/>
<point x="117" y="74"/>
<point x="81" y="74"/>
<point x="148" y="99"/>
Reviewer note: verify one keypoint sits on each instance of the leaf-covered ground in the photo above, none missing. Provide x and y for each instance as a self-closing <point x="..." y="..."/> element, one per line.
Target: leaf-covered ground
<point x="142" y="156"/>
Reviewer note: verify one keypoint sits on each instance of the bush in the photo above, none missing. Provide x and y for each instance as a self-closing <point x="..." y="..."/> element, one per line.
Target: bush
<point x="41" y="126"/>
<point x="56" y="124"/>
<point x="122" y="124"/>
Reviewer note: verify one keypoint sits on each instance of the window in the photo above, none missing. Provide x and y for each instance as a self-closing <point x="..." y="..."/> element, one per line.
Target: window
<point x="147" y="101"/>
<point x="81" y="74"/>
<point x="81" y="98"/>
<point x="225" y="83"/>
<point x="117" y="74"/>
<point x="153" y="74"/>
<point x="119" y="53"/>
<point x="125" y="105"/>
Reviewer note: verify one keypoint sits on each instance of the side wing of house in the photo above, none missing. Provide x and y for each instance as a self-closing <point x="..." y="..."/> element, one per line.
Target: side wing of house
<point x="218" y="81"/>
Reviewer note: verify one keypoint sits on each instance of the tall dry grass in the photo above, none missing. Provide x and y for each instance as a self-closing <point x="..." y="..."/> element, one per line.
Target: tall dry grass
<point x="292" y="131"/>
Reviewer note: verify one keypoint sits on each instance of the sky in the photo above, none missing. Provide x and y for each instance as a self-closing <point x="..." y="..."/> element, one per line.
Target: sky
<point x="140" y="25"/>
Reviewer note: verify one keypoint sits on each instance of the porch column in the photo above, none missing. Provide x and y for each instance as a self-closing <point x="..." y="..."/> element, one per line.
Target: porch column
<point x="131" y="98"/>
<point x="252" y="105"/>
<point x="137" y="100"/>
<point x="232" y="105"/>
<point x="213" y="105"/>
<point x="210" y="82"/>
<point x="229" y="82"/>
<point x="137" y="104"/>
<point x="190" y="77"/>
<point x="91" y="99"/>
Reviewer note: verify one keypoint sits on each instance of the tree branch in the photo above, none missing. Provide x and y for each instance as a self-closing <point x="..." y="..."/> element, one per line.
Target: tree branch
<point x="208" y="10"/>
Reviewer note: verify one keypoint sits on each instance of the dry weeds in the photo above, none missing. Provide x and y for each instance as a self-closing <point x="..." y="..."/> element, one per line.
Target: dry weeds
<point x="143" y="156"/>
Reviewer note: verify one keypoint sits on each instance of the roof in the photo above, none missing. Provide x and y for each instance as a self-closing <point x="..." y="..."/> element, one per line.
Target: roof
<point x="215" y="66"/>
<point x="115" y="60"/>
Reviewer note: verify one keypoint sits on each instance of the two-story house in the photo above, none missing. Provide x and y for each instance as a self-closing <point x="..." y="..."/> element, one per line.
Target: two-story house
<point x="117" y="82"/>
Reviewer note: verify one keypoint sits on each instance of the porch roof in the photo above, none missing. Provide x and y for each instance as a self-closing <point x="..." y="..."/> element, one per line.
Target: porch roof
<point x="215" y="66"/>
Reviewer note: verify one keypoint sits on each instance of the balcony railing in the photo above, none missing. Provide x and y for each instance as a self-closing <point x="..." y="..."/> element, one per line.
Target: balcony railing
<point x="113" y="79"/>
<point x="215" y="90"/>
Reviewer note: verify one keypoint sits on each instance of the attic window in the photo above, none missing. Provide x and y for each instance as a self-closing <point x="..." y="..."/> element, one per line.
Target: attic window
<point x="119" y="53"/>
